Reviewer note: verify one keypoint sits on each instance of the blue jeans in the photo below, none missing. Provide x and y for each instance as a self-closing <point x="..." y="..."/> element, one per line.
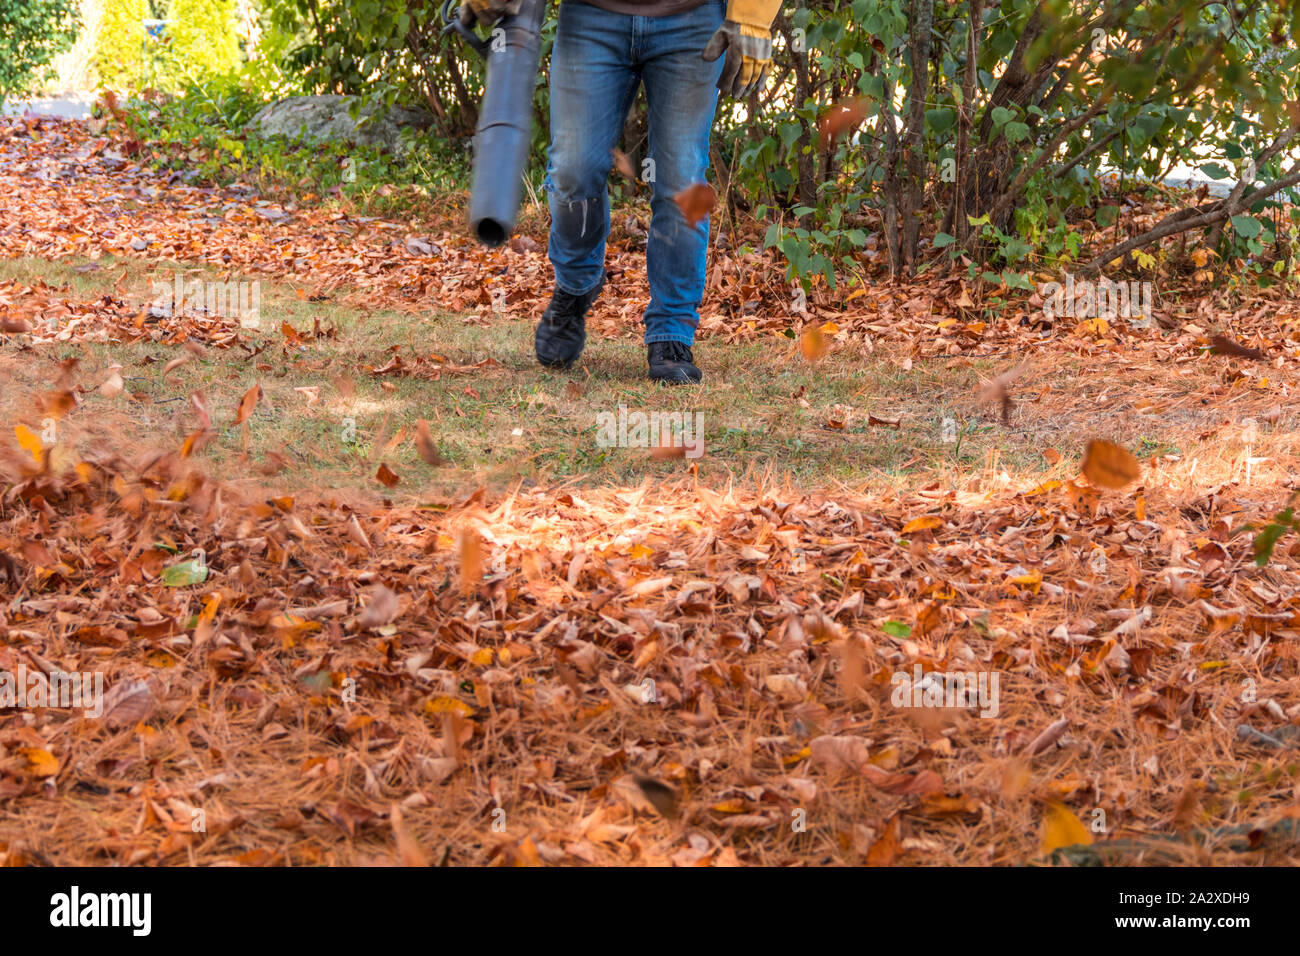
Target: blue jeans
<point x="597" y="62"/>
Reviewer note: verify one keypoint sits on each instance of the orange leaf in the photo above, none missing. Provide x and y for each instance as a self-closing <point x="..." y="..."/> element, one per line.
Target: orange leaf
<point x="1062" y="828"/>
<point x="696" y="201"/>
<point x="471" y="561"/>
<point x="813" y="344"/>
<point x="247" y="404"/>
<point x="30" y="442"/>
<point x="924" y="523"/>
<point x="839" y="118"/>
<point x="887" y="846"/>
<point x="40" y="762"/>
<point x="1107" y="465"/>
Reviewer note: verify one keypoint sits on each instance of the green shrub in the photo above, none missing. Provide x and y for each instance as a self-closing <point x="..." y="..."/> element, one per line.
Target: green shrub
<point x="203" y="38"/>
<point x="119" y="44"/>
<point x="32" y="33"/>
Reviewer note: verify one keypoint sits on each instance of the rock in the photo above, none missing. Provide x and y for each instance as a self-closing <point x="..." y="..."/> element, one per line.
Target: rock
<point x="328" y="119"/>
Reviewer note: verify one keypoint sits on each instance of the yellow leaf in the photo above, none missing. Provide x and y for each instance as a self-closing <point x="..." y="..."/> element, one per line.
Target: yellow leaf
<point x="29" y="441"/>
<point x="640" y="551"/>
<point x="40" y="762"/>
<point x="436" y="706"/>
<point x="203" y="627"/>
<point x="481" y="657"/>
<point x="730" y="806"/>
<point x="1062" y="828"/>
<point x="1032" y="580"/>
<point x="1200" y="257"/>
<point x="1044" y="488"/>
<point x="796" y="757"/>
<point x="829" y="328"/>
<point x="924" y="523"/>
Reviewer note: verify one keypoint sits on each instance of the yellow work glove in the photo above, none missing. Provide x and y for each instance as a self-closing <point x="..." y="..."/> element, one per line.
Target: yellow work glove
<point x="487" y="12"/>
<point x="746" y="37"/>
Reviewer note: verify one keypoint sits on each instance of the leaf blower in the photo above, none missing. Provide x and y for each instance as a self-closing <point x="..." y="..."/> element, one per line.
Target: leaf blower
<point x="505" y="123"/>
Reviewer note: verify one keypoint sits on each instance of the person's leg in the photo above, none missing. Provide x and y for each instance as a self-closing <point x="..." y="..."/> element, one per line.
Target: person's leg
<point x="593" y="81"/>
<point x="682" y="94"/>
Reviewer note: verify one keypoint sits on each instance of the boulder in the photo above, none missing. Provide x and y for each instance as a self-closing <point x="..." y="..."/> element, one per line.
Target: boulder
<point x="328" y="119"/>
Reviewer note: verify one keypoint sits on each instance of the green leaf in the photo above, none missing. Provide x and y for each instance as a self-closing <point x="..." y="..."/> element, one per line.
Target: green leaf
<point x="193" y="571"/>
<point x="1267" y="539"/>
<point x="1247" y="226"/>
<point x="940" y="120"/>
<point x="897" y="629"/>
<point x="1002" y="116"/>
<point x="942" y="239"/>
<point x="772" y="236"/>
<point x="1016" y="132"/>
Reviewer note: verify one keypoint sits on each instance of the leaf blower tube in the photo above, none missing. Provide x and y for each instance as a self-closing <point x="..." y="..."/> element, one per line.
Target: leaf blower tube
<point x="505" y="125"/>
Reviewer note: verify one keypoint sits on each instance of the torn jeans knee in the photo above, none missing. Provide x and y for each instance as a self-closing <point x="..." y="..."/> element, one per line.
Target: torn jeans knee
<point x="577" y="219"/>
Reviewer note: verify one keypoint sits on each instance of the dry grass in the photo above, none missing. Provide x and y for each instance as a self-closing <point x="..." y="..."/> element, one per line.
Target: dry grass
<point x="587" y="592"/>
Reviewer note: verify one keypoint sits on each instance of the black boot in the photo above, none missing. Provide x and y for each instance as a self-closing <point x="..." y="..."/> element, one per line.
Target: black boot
<point x="563" y="329"/>
<point x="672" y="362"/>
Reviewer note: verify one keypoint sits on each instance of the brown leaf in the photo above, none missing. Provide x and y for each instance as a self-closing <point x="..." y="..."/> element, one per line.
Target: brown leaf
<point x="386" y="476"/>
<point x="175" y="364"/>
<point x="58" y="404"/>
<point x="623" y="164"/>
<point x="1050" y="735"/>
<point x="381" y="608"/>
<point x="425" y="445"/>
<point x="408" y="850"/>
<point x="200" y="403"/>
<point x="127" y="703"/>
<point x="920" y="784"/>
<point x="471" y="561"/>
<point x="112" y="386"/>
<point x="1226" y="346"/>
<point x="839" y="119"/>
<point x="888" y="845"/>
<point x="696" y="201"/>
<point x="661" y="796"/>
<point x="1107" y="465"/>
<point x="247" y="404"/>
<point x="999" y="390"/>
<point x="840" y="753"/>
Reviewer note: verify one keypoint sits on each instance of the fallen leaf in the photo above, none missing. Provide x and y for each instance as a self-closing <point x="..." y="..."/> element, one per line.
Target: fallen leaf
<point x="1061" y="828"/>
<point x="425" y="445"/>
<point x="247" y="404"/>
<point x="1107" y="465"/>
<point x="696" y="202"/>
<point x="1226" y="346"/>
